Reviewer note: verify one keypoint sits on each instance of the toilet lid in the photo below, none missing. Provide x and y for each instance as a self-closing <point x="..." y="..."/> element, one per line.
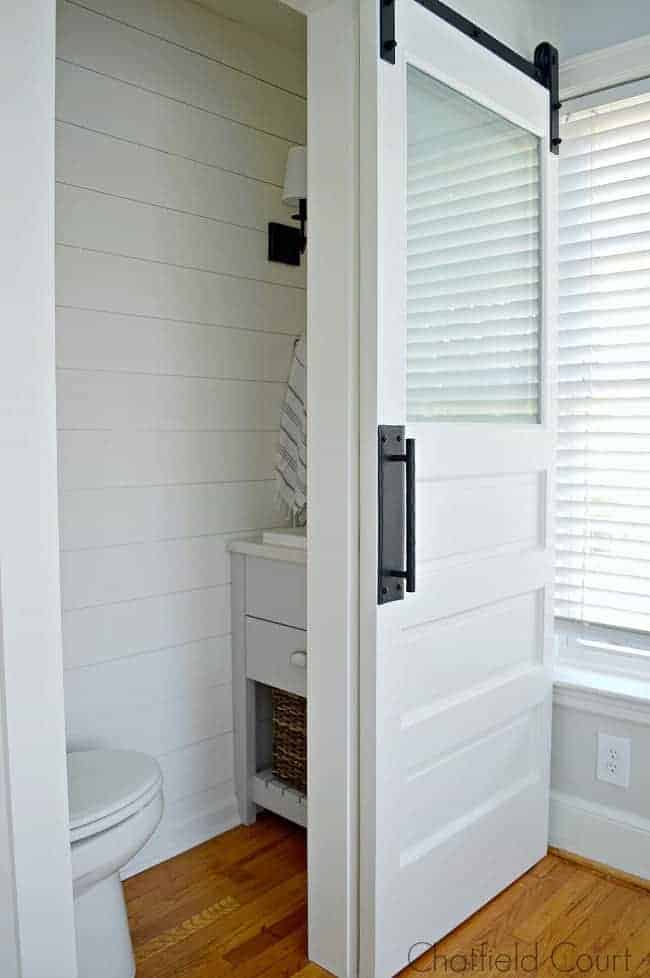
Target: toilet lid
<point x="105" y="783"/>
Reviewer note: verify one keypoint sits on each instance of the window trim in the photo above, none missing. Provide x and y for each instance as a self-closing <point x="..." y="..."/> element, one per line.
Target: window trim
<point x="602" y="649"/>
<point x="588" y="81"/>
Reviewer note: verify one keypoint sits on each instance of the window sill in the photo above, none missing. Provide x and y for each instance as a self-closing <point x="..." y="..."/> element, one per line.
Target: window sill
<point x="607" y="694"/>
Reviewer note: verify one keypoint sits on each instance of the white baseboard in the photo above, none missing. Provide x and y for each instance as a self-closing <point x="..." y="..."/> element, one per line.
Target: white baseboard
<point x="612" y="836"/>
<point x="180" y="831"/>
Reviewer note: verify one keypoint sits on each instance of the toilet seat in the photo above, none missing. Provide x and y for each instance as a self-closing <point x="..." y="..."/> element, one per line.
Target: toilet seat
<point x="106" y="787"/>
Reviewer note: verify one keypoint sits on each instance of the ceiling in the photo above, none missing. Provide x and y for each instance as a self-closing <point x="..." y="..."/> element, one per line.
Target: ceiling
<point x="269" y="17"/>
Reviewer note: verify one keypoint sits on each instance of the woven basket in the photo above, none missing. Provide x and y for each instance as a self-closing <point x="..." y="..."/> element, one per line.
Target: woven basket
<point x="290" y="739"/>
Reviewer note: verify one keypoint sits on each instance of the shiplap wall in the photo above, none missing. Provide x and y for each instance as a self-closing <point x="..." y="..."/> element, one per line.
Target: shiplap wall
<point x="174" y="336"/>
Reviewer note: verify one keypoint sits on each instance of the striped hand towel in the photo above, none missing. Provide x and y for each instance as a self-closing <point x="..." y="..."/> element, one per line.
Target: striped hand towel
<point x="291" y="465"/>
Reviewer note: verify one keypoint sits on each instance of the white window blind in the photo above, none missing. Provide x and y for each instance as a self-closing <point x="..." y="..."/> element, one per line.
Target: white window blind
<point x="473" y="260"/>
<point x="603" y="486"/>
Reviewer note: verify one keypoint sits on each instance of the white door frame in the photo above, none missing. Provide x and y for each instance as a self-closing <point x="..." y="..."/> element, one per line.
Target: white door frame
<point x="36" y="925"/>
<point x="333" y="483"/>
<point x="35" y="874"/>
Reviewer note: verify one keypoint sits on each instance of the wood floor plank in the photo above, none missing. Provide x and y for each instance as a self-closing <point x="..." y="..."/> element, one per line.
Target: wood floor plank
<point x="236" y="907"/>
<point x="490" y="928"/>
<point x="562" y="956"/>
<point x="271" y="866"/>
<point x="545" y="865"/>
<point x="557" y="904"/>
<point x="217" y="854"/>
<point x="601" y="869"/>
<point x="211" y="940"/>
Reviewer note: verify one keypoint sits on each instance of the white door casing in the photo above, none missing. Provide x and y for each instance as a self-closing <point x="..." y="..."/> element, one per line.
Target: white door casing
<point x="455" y="680"/>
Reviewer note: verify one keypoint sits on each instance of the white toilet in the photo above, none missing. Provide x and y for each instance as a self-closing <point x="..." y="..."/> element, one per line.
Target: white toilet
<point x="116" y="802"/>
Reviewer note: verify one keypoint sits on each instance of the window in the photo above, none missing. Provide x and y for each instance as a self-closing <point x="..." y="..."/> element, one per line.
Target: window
<point x="603" y="483"/>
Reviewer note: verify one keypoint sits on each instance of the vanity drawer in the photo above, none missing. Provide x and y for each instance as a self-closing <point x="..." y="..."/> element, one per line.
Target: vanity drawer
<point x="271" y="655"/>
<point x="277" y="591"/>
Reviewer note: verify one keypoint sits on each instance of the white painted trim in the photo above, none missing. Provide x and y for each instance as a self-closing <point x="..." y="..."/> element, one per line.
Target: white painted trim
<point x="601" y="695"/>
<point x="9" y="948"/>
<point x="618" y="838"/>
<point x="187" y="834"/>
<point x="333" y="492"/>
<point x="34" y="824"/>
<point x="605" y="68"/>
<point x="307" y="7"/>
<point x="621" y="657"/>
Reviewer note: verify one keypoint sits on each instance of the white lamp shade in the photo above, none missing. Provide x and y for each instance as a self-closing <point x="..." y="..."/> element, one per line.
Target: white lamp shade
<point x="295" y="177"/>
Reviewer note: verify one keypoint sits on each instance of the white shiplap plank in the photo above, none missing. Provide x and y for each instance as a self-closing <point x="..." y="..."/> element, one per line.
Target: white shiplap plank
<point x="174" y="125"/>
<point x="105" y="341"/>
<point x="105" y="517"/>
<point x="99" y="400"/>
<point x="205" y="32"/>
<point x="277" y="21"/>
<point x="100" y="162"/>
<point x="107" y="105"/>
<point x="97" y="459"/>
<point x="140" y="570"/>
<point x="111" y="283"/>
<point x="130" y="627"/>
<point x="155" y="727"/>
<point x="193" y="769"/>
<point x="94" y="41"/>
<point x="152" y="677"/>
<point x="87" y="219"/>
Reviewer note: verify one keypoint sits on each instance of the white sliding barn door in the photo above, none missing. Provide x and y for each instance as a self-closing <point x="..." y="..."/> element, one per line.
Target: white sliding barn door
<point x="457" y="337"/>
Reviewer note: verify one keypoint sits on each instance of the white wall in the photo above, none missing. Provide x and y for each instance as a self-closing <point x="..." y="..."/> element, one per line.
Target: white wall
<point x="9" y="951"/>
<point x="274" y="18"/>
<point x="174" y="335"/>
<point x="36" y="933"/>
<point x="587" y="25"/>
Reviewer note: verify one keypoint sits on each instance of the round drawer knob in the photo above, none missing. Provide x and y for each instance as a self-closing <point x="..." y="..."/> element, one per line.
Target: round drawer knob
<point x="298" y="659"/>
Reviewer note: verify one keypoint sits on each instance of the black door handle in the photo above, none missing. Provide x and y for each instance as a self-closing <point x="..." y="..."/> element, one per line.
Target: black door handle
<point x="396" y="538"/>
<point x="410" y="514"/>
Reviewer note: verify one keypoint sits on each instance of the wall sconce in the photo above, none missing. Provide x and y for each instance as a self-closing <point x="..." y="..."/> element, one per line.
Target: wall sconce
<point x="287" y="244"/>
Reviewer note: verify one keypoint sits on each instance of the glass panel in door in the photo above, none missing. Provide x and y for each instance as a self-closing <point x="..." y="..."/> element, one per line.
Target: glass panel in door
<point x="473" y="260"/>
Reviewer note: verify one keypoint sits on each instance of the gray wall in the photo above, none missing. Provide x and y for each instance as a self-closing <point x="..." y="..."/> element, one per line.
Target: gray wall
<point x="574" y="760"/>
<point x="586" y="25"/>
<point x="522" y="24"/>
<point x="601" y="821"/>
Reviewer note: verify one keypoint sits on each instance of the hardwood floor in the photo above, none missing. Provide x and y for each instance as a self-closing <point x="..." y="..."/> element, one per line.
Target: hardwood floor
<point x="236" y="907"/>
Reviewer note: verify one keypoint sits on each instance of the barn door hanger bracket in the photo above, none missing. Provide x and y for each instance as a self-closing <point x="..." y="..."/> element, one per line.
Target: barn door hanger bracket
<point x="544" y="69"/>
<point x="387" y="42"/>
<point x="547" y="62"/>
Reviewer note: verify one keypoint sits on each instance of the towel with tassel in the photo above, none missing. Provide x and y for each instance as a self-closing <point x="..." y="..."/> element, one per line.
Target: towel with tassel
<point x="291" y="465"/>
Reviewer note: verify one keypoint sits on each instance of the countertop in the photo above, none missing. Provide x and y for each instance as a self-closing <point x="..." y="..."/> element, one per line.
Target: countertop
<point x="253" y="547"/>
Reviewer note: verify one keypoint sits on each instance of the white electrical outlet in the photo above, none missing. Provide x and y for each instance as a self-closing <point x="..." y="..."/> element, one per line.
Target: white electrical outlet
<point x="614" y="760"/>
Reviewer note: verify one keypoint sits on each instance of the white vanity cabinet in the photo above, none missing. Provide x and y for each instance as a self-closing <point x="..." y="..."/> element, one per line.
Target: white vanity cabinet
<point x="269" y="645"/>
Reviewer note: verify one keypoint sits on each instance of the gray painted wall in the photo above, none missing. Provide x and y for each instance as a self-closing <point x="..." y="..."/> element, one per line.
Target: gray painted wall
<point x="522" y="24"/>
<point x="586" y="25"/>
